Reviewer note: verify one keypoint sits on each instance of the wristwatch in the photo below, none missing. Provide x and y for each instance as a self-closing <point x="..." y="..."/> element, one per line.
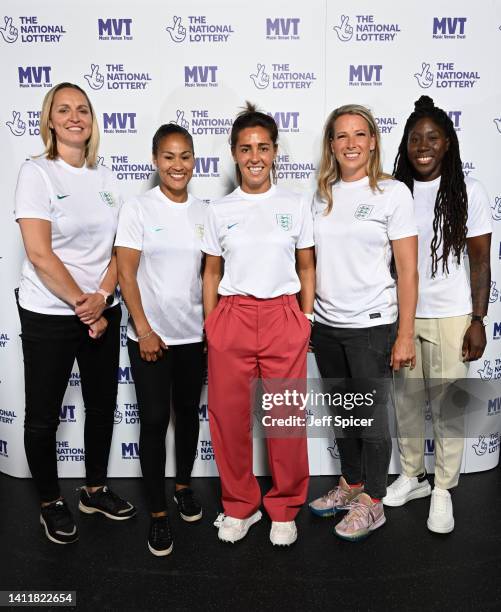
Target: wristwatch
<point x="108" y="297"/>
<point x="481" y="319"/>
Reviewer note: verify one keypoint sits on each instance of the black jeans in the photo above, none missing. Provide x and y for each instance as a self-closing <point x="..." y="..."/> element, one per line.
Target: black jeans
<point x="181" y="369"/>
<point x="51" y="343"/>
<point x="360" y="354"/>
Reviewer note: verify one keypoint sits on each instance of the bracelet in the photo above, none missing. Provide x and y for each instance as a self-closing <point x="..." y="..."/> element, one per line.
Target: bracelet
<point x="146" y="335"/>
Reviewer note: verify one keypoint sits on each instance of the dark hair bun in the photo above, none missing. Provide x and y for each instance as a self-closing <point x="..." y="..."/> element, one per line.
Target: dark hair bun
<point x="424" y="102"/>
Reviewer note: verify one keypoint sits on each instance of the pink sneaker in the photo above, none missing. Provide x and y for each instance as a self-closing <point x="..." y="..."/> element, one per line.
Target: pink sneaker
<point x="363" y="518"/>
<point x="335" y="500"/>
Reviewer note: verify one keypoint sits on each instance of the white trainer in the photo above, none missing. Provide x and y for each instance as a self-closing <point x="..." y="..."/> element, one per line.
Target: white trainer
<point x="404" y="489"/>
<point x="283" y="533"/>
<point x="234" y="529"/>
<point x="441" y="518"/>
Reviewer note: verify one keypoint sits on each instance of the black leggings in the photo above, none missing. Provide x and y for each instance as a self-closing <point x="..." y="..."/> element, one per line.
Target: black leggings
<point x="181" y="369"/>
<point x="362" y="354"/>
<point x="51" y="343"/>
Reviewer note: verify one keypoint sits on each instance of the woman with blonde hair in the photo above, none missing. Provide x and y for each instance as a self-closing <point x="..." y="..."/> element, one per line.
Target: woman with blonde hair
<point x="362" y="218"/>
<point x="67" y="208"/>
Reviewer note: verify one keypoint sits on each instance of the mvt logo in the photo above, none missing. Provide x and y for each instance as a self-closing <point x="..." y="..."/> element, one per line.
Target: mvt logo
<point x="114" y="29"/>
<point x="125" y="376"/>
<point x="3" y="449"/>
<point x="130" y="450"/>
<point x="366" y="75"/>
<point x="496" y="330"/>
<point x="455" y="117"/>
<point x="286" y="122"/>
<point x="449" y="27"/>
<point x="67" y="414"/>
<point x="119" y="123"/>
<point x="34" y="76"/>
<point x="429" y="447"/>
<point x="494" y="406"/>
<point x="283" y="28"/>
<point x="200" y="76"/>
<point x="206" y="167"/>
<point x="203" y="413"/>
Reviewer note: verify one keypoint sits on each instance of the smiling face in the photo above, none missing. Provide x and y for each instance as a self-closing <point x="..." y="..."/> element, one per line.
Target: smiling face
<point x="175" y="162"/>
<point x="426" y="146"/>
<point x="70" y="119"/>
<point x="351" y="145"/>
<point x="254" y="154"/>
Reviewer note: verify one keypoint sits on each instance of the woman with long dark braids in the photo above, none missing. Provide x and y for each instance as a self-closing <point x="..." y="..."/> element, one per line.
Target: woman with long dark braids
<point x="452" y="214"/>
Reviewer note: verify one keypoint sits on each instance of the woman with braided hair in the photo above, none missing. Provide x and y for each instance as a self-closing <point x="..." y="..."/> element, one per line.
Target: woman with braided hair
<point x="452" y="214"/>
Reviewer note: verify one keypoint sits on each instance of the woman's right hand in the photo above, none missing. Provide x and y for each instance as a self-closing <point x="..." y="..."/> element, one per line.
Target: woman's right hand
<point x="97" y="329"/>
<point x="152" y="347"/>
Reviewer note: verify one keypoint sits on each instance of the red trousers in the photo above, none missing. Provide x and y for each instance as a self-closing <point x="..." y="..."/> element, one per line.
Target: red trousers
<point x="251" y="338"/>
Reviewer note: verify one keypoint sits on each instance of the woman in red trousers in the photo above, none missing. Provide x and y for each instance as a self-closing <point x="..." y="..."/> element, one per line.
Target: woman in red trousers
<point x="255" y="326"/>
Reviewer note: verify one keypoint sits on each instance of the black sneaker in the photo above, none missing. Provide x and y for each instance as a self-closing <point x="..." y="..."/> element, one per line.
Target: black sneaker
<point x="58" y="523"/>
<point x="160" y="541"/>
<point x="189" y="508"/>
<point x="106" y="502"/>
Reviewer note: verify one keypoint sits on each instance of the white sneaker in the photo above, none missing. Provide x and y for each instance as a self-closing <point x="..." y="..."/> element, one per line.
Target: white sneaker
<point x="441" y="518"/>
<point x="233" y="529"/>
<point x="283" y="533"/>
<point x="404" y="489"/>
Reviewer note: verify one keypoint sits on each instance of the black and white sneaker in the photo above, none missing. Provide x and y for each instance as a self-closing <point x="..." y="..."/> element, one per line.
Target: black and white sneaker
<point x="58" y="523"/>
<point x="189" y="508"/>
<point x="160" y="541"/>
<point x="106" y="502"/>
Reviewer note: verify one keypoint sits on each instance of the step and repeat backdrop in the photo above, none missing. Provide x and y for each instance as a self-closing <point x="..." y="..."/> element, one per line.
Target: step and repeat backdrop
<point x="195" y="63"/>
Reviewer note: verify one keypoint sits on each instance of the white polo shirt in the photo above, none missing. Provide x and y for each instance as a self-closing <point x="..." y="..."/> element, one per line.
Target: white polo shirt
<point x="353" y="249"/>
<point x="257" y="235"/>
<point x="82" y="205"/>
<point x="446" y="295"/>
<point x="169" y="235"/>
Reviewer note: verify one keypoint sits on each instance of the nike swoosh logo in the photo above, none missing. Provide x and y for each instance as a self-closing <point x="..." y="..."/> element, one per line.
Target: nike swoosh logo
<point x="61" y="197"/>
<point x="157" y="229"/>
<point x="232" y="225"/>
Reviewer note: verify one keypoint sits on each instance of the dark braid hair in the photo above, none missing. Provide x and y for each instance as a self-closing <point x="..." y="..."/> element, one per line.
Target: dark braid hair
<point x="451" y="205"/>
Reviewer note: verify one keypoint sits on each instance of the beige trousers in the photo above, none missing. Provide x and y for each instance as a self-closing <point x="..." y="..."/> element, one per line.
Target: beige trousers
<point x="438" y="363"/>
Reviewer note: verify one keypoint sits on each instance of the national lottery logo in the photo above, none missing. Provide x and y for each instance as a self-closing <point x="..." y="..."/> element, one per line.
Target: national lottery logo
<point x="468" y="167"/>
<point x="365" y="28"/>
<point x="20" y="125"/>
<point x="131" y="414"/>
<point x="30" y="30"/>
<point x="114" y="29"/>
<point x="334" y="450"/>
<point x="486" y="371"/>
<point x="446" y="75"/>
<point x="16" y="125"/>
<point x="117" y="417"/>
<point x="494" y="293"/>
<point x="197" y="29"/>
<point x="496" y="209"/>
<point x="386" y="124"/>
<point x="7" y="416"/>
<point x="205" y="451"/>
<point x="126" y="169"/>
<point x="486" y="444"/>
<point x="74" y="380"/>
<point x="497" y="123"/>
<point x="206" y="167"/>
<point x="282" y="28"/>
<point x="119" y="123"/>
<point x="67" y="453"/>
<point x="451" y="28"/>
<point x="282" y="76"/>
<point x="34" y="76"/>
<point x="123" y="335"/>
<point x="200" y="76"/>
<point x="284" y="220"/>
<point x="3" y="449"/>
<point x="4" y="339"/>
<point x="288" y="169"/>
<point x="203" y="122"/>
<point x="365" y="75"/>
<point x="116" y="76"/>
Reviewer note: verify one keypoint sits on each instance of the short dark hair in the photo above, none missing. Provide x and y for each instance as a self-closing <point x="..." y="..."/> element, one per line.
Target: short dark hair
<point x="251" y="117"/>
<point x="166" y="130"/>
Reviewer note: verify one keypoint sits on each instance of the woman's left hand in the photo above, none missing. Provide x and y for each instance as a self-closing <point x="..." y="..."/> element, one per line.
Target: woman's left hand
<point x="89" y="307"/>
<point x="403" y="353"/>
<point x="474" y="342"/>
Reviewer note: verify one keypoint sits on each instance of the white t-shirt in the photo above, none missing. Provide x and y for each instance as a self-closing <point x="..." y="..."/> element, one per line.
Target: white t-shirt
<point x="257" y="235"/>
<point x="169" y="236"/>
<point x="82" y="205"/>
<point x="353" y="248"/>
<point x="446" y="295"/>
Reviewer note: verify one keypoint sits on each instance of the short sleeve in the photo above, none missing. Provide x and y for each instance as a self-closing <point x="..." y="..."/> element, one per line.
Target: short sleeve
<point x="32" y="199"/>
<point x="401" y="221"/>
<point x="210" y="243"/>
<point x="130" y="230"/>
<point x="305" y="237"/>
<point x="479" y="211"/>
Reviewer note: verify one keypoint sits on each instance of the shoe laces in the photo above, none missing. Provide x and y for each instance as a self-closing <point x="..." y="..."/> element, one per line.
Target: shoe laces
<point x="357" y="510"/>
<point x="59" y="513"/>
<point x="401" y="481"/>
<point x="219" y="520"/>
